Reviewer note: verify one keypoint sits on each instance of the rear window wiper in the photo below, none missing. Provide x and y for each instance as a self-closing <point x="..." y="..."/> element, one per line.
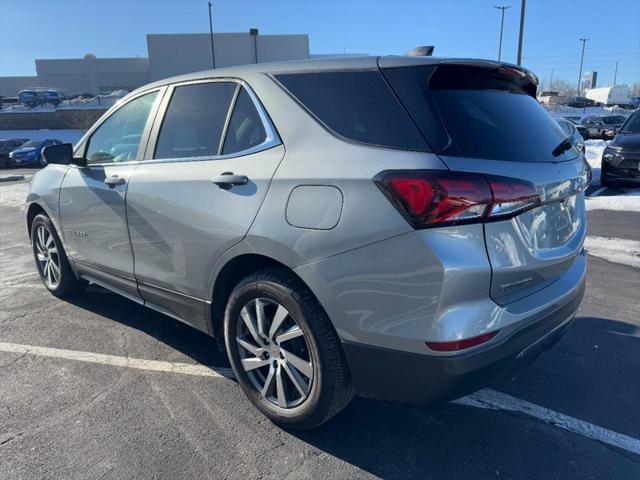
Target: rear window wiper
<point x="562" y="147"/>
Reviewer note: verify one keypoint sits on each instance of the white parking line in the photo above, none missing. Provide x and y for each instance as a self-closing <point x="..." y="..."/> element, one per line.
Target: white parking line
<point x="494" y="400"/>
<point x="598" y="192"/>
<point x="486" y="398"/>
<point x="117" y="361"/>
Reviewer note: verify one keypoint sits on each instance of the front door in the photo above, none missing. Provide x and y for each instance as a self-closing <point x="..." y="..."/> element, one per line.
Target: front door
<point x="188" y="203"/>
<point x="92" y="198"/>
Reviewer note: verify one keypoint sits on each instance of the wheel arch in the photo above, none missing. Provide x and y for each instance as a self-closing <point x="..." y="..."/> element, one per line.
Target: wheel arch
<point x="32" y="211"/>
<point x="229" y="275"/>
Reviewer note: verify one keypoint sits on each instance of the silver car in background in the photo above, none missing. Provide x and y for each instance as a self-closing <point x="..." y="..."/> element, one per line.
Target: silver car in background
<point x="405" y="228"/>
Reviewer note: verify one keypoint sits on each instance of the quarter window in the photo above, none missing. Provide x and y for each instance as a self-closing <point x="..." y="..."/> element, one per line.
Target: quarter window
<point x="195" y="120"/>
<point x="117" y="139"/>
<point x="245" y="128"/>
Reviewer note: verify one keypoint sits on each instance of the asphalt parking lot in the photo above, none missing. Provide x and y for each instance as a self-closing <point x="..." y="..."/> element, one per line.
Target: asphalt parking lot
<point x="80" y="399"/>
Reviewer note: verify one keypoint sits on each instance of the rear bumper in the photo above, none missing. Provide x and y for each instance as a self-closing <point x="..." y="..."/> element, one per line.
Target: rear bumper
<point x="410" y="378"/>
<point x="622" y="175"/>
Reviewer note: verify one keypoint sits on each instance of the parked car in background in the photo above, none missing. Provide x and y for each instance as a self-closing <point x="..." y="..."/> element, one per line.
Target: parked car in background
<point x="7" y="145"/>
<point x="549" y="98"/>
<point x="579" y="102"/>
<point x="387" y="225"/>
<point x="28" y="98"/>
<point x="30" y="153"/>
<point x="621" y="158"/>
<point x="572" y="133"/>
<point x="603" y="126"/>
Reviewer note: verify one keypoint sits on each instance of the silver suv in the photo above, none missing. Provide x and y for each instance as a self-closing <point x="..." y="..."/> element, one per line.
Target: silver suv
<point x="406" y="228"/>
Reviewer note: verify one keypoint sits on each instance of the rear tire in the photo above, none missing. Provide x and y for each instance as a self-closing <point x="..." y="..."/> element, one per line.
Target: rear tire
<point x="51" y="260"/>
<point x="270" y="315"/>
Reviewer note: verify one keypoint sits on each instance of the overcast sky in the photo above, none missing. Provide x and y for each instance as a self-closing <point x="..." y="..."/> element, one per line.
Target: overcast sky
<point x="32" y="29"/>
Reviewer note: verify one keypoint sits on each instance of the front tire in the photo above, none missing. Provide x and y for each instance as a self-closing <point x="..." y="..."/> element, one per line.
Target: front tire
<point x="51" y="259"/>
<point x="284" y="351"/>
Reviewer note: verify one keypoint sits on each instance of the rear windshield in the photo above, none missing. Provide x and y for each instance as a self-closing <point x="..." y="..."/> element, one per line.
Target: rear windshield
<point x="357" y="105"/>
<point x="479" y="112"/>
<point x="632" y="125"/>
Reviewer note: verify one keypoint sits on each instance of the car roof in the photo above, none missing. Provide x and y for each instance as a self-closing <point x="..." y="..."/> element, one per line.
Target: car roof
<point x="328" y="64"/>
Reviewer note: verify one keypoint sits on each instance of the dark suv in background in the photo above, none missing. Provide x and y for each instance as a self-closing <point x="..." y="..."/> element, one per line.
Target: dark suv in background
<point x="621" y="159"/>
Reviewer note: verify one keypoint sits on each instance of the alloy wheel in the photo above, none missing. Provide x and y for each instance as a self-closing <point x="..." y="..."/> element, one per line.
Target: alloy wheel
<point x="274" y="353"/>
<point x="48" y="257"/>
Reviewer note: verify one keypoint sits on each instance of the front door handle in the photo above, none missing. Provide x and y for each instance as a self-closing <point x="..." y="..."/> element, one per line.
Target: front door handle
<point x="227" y="180"/>
<point x="114" y="181"/>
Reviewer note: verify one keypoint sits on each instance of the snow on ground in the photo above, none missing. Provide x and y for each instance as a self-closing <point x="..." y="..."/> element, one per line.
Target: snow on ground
<point x="65" y="136"/>
<point x="14" y="195"/>
<point x="565" y="111"/>
<point x="593" y="154"/>
<point x="618" y="250"/>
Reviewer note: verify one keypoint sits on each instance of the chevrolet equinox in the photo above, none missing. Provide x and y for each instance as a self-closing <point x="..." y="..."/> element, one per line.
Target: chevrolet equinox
<point x="404" y="228"/>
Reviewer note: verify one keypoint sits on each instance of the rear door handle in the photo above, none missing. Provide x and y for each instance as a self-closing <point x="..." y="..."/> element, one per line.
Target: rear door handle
<point x="114" y="181"/>
<point x="227" y="179"/>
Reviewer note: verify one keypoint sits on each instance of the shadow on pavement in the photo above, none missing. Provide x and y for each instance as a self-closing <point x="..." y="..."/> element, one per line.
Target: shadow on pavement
<point x="447" y="440"/>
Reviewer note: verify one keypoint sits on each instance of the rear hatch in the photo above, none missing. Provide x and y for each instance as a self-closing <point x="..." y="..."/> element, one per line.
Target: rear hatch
<point x="483" y="118"/>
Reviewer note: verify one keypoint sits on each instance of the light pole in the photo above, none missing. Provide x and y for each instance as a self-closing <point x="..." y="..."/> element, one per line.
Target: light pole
<point x="551" y="79"/>
<point x="213" y="55"/>
<point x="584" y="42"/>
<point x="522" y="8"/>
<point x="502" y="9"/>
<point x="615" y="74"/>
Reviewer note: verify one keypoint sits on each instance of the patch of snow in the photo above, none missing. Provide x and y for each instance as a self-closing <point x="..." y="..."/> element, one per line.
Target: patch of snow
<point x="593" y="154"/>
<point x="627" y="202"/>
<point x="65" y="136"/>
<point x="618" y="250"/>
<point x="14" y="195"/>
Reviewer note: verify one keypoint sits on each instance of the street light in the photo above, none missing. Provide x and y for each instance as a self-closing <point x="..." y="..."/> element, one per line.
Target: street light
<point x="523" y="6"/>
<point x="213" y="55"/>
<point x="502" y="9"/>
<point x="584" y="42"/>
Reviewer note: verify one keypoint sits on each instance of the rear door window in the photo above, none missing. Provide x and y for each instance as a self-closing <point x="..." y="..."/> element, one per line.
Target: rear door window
<point x="194" y="121"/>
<point x="479" y="112"/>
<point x="245" y="129"/>
<point x="357" y="105"/>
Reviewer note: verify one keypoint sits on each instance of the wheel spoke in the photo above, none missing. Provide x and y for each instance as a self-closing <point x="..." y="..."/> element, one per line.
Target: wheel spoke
<point x="48" y="268"/>
<point x="293" y="332"/>
<point x="41" y="236"/>
<point x="260" y="318"/>
<point x="282" y="399"/>
<point x="41" y="257"/>
<point x="55" y="270"/>
<point x="253" y="363"/>
<point x="255" y="350"/>
<point x="268" y="383"/>
<point x="53" y="250"/>
<point x="49" y="241"/>
<point x="278" y="318"/>
<point x="302" y="365"/>
<point x="248" y="321"/>
<point x="296" y="379"/>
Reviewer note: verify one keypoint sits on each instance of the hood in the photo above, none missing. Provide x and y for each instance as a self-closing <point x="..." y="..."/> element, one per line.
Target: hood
<point x="25" y="150"/>
<point x="628" y="141"/>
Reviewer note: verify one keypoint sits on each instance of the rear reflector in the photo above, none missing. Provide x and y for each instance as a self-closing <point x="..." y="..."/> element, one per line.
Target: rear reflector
<point x="430" y="198"/>
<point x="461" y="344"/>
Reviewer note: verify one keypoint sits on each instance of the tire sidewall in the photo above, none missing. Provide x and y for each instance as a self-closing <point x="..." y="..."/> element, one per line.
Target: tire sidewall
<point x="313" y="405"/>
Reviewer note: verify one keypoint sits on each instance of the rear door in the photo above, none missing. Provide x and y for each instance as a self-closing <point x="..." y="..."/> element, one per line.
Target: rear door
<point x="485" y="119"/>
<point x="209" y="165"/>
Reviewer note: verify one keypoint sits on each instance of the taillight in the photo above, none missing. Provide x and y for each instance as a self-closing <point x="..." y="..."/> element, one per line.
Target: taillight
<point x="462" y="344"/>
<point x="430" y="198"/>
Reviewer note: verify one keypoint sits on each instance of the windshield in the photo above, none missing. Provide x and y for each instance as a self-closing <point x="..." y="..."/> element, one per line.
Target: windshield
<point x="32" y="144"/>
<point x="613" y="119"/>
<point x="632" y="125"/>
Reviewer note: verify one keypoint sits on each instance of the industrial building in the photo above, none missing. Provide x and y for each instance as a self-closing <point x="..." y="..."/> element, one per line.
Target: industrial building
<point x="168" y="55"/>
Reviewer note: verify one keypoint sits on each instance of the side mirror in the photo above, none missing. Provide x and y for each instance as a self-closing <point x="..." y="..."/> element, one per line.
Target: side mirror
<point x="62" y="155"/>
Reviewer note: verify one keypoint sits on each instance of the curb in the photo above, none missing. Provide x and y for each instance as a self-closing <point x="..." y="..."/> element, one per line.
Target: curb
<point x="11" y="178"/>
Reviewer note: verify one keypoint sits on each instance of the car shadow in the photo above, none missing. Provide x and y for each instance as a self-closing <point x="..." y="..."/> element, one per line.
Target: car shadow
<point x="447" y="440"/>
<point x="197" y="345"/>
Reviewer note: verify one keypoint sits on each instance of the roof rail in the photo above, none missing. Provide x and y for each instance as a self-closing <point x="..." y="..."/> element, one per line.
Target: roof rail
<point x="422" y="51"/>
